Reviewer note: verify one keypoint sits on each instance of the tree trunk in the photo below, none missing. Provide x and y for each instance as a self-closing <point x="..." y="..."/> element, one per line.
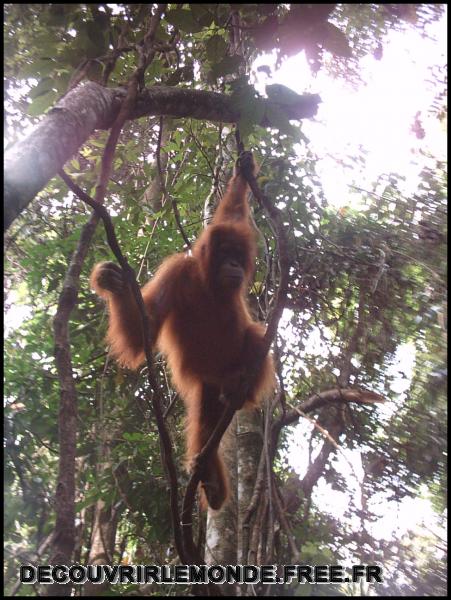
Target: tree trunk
<point x="250" y="446"/>
<point x="103" y="538"/>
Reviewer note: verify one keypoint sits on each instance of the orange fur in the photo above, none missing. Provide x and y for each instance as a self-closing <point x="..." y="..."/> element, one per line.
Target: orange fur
<point x="207" y="334"/>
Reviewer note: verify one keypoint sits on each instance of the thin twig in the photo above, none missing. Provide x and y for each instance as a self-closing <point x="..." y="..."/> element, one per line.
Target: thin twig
<point x="164" y="190"/>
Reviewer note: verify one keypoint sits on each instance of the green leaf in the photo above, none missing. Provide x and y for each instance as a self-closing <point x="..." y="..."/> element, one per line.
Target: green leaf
<point x="58" y="14"/>
<point x="84" y="503"/>
<point x="183" y="19"/>
<point x="41" y="66"/>
<point x="279" y="119"/>
<point x="41" y="104"/>
<point x="102" y="21"/>
<point x="252" y="112"/>
<point x="155" y="70"/>
<point x="94" y="33"/>
<point x="135" y="437"/>
<point x="216" y="48"/>
<point x="203" y="13"/>
<point x="281" y="94"/>
<point x="53" y="284"/>
<point x="44" y="86"/>
<point x="228" y="65"/>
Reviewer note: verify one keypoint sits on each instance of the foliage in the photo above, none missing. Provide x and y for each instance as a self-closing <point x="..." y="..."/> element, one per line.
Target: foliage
<point x="364" y="284"/>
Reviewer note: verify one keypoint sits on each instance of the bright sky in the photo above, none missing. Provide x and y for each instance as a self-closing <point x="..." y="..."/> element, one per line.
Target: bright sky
<point x="395" y="520"/>
<point x="377" y="117"/>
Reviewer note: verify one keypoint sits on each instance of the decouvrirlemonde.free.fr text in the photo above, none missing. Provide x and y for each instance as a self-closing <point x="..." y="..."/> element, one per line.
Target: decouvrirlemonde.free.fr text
<point x="183" y="574"/>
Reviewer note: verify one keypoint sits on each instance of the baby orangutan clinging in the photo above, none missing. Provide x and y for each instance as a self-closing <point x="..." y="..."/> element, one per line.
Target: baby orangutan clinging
<point x="200" y="321"/>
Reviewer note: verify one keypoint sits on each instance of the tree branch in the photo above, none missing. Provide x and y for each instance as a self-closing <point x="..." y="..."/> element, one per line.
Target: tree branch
<point x="63" y="539"/>
<point x="33" y="162"/>
<point x="165" y="440"/>
<point x="335" y="395"/>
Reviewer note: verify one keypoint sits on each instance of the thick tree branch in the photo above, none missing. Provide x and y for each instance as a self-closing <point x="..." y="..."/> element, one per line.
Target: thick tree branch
<point x="316" y="401"/>
<point x="33" y="162"/>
